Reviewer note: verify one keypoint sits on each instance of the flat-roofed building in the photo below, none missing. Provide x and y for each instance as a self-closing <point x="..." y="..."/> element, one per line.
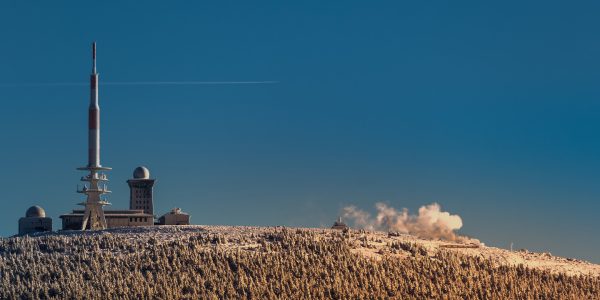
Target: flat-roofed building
<point x="174" y="217"/>
<point x="114" y="218"/>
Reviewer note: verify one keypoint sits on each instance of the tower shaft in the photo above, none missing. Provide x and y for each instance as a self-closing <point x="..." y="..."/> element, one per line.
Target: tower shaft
<point x="94" y="116"/>
<point x="93" y="217"/>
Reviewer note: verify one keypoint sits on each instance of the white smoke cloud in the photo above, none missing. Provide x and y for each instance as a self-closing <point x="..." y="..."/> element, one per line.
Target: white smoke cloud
<point x="431" y="222"/>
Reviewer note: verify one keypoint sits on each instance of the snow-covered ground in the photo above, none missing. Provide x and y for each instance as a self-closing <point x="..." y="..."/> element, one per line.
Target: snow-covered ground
<point x="372" y="244"/>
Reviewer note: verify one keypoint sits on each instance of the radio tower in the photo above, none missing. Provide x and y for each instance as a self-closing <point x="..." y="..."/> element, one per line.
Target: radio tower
<point x="93" y="217"/>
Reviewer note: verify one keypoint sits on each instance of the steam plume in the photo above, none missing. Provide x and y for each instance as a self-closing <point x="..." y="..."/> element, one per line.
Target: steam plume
<point x="431" y="222"/>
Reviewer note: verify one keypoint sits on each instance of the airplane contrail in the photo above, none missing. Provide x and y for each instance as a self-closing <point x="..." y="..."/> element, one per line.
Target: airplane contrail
<point x="189" y="82"/>
<point x="125" y="83"/>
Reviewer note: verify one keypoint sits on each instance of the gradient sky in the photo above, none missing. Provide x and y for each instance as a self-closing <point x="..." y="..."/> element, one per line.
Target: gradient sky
<point x="490" y="109"/>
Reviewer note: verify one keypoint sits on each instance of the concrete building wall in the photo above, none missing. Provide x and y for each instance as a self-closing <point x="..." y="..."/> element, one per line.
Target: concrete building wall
<point x="141" y="195"/>
<point x="72" y="222"/>
<point x="34" y="224"/>
<point x="113" y="220"/>
<point x="174" y="217"/>
<point x="130" y="221"/>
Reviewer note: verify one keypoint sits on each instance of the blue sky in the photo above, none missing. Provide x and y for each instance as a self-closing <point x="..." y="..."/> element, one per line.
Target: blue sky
<point x="490" y="109"/>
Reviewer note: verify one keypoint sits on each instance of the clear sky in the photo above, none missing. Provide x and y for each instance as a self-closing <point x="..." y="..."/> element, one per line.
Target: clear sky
<point x="491" y="110"/>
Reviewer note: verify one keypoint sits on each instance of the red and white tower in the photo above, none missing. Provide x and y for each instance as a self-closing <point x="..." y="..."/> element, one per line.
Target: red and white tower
<point x="93" y="217"/>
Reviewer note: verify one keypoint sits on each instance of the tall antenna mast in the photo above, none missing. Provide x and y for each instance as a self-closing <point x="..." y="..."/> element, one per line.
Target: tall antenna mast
<point x="93" y="217"/>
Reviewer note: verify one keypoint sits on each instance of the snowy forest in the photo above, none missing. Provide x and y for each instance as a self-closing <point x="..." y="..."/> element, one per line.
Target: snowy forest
<point x="274" y="263"/>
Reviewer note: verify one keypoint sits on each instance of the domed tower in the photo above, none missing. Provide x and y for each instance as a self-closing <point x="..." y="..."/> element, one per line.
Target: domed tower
<point x="140" y="190"/>
<point x="35" y="221"/>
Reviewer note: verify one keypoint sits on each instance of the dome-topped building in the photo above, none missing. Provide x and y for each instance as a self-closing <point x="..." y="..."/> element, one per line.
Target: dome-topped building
<point x="35" y="212"/>
<point x="141" y="172"/>
<point x="35" y="221"/>
<point x="140" y="190"/>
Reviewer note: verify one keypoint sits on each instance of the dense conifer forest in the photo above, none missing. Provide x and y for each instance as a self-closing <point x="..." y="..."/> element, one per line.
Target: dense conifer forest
<point x="273" y="263"/>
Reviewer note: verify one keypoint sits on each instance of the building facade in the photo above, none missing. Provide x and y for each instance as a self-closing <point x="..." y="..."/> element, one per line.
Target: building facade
<point x="174" y="217"/>
<point x="141" y="191"/>
<point x="114" y="218"/>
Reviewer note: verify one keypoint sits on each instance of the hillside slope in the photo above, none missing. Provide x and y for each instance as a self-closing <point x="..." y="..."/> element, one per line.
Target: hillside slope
<point x="217" y="262"/>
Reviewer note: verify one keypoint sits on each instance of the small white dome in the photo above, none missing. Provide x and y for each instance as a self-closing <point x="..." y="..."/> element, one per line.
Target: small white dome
<point x="35" y="212"/>
<point x="141" y="172"/>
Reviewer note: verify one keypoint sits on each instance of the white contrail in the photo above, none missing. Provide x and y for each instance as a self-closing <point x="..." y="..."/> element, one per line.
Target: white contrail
<point x="140" y="83"/>
<point x="188" y="82"/>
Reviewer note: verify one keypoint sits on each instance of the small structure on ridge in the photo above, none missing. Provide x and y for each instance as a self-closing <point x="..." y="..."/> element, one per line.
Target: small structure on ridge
<point x="339" y="224"/>
<point x="35" y="220"/>
<point x="174" y="217"/>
